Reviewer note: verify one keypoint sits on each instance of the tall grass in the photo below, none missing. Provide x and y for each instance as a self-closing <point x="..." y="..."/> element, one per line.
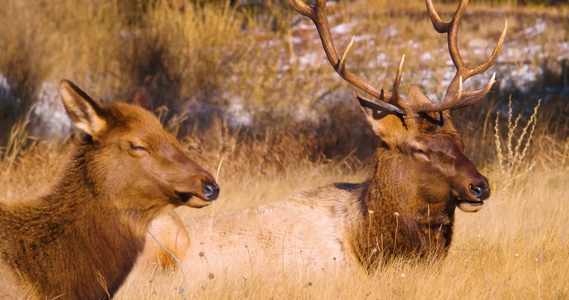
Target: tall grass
<point x="221" y="68"/>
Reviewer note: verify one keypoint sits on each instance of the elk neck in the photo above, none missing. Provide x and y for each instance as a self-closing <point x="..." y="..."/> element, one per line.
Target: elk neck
<point x="397" y="221"/>
<point x="75" y="227"/>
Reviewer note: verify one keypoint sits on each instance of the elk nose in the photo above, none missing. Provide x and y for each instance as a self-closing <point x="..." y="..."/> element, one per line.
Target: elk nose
<point x="480" y="190"/>
<point x="210" y="190"/>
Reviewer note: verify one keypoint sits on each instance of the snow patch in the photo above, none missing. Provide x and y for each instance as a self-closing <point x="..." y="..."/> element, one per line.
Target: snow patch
<point x="342" y="29"/>
<point x="236" y="114"/>
<point x="426" y="56"/>
<point x="389" y="32"/>
<point x="538" y="28"/>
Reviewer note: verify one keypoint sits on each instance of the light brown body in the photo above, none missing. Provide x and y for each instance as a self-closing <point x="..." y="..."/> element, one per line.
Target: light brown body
<point x="173" y="236"/>
<point x="82" y="239"/>
<point x="307" y="231"/>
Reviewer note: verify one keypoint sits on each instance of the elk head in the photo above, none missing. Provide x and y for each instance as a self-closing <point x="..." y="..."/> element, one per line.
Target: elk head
<point x="130" y="157"/>
<point x="417" y="131"/>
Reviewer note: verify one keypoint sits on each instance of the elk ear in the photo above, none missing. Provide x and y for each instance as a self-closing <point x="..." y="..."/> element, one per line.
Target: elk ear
<point x="386" y="125"/>
<point x="83" y="111"/>
<point x="140" y="97"/>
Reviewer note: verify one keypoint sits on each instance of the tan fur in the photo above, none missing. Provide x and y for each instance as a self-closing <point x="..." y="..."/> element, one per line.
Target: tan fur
<point x="82" y="239"/>
<point x="307" y="231"/>
<point x="173" y="237"/>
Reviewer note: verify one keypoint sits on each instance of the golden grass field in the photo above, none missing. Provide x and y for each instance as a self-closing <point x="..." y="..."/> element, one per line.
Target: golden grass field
<point x="515" y="248"/>
<point x="301" y="136"/>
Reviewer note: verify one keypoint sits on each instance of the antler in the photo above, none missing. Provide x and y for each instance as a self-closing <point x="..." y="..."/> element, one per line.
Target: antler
<point x="393" y="102"/>
<point x="320" y="19"/>
<point x="462" y="71"/>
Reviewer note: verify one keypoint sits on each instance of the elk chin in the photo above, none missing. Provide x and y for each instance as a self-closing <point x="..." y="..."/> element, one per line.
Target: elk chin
<point x="189" y="199"/>
<point x="469" y="206"/>
<point x="196" y="202"/>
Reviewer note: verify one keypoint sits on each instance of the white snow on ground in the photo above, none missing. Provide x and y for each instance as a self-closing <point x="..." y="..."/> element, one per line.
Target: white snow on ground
<point x="538" y="28"/>
<point x="426" y="56"/>
<point x="310" y="58"/>
<point x="296" y="40"/>
<point x="236" y="114"/>
<point x="383" y="60"/>
<point x="364" y="37"/>
<point x="389" y="31"/>
<point x="342" y="29"/>
<point x="304" y="26"/>
<point x="564" y="52"/>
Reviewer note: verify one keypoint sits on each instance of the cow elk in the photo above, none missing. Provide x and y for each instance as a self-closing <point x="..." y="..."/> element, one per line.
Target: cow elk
<point x="419" y="175"/>
<point x="81" y="240"/>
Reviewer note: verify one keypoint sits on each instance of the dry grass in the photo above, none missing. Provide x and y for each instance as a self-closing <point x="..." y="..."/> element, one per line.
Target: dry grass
<point x="516" y="247"/>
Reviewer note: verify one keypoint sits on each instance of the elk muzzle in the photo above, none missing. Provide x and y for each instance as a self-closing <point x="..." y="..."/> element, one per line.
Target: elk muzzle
<point x="197" y="192"/>
<point x="478" y="191"/>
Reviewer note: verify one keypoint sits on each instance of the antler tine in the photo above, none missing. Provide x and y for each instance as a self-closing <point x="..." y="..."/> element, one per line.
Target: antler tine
<point x="398" y="79"/>
<point x="440" y="26"/>
<point x="451" y="28"/>
<point x="318" y="15"/>
<point x="343" y="58"/>
<point x="473" y="97"/>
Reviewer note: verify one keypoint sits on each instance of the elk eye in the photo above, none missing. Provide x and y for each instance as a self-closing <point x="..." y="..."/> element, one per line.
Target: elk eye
<point x="421" y="152"/>
<point x="137" y="148"/>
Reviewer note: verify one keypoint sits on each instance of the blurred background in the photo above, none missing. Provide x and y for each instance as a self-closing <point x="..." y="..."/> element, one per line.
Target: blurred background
<point x="235" y="78"/>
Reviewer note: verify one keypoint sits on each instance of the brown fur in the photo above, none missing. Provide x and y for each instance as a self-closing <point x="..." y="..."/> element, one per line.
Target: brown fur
<point x="82" y="239"/>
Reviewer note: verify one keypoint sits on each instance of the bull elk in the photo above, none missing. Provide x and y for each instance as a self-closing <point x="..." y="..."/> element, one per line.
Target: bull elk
<point x="419" y="175"/>
<point x="81" y="240"/>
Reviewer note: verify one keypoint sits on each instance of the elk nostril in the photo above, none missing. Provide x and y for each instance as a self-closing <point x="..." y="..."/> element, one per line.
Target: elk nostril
<point x="480" y="191"/>
<point x="210" y="190"/>
<point x="475" y="190"/>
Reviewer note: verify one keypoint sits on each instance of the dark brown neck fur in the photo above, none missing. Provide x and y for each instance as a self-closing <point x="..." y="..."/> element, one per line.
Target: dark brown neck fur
<point x="396" y="221"/>
<point x="72" y="237"/>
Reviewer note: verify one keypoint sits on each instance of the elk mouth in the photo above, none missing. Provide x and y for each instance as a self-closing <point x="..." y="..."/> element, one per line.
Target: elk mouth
<point x="190" y="199"/>
<point x="184" y="197"/>
<point x="209" y="193"/>
<point x="469" y="205"/>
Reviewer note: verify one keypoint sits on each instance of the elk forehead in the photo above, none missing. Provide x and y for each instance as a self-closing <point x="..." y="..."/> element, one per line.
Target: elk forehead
<point x="436" y="132"/>
<point x="133" y="115"/>
<point x="134" y="122"/>
<point x="432" y="123"/>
